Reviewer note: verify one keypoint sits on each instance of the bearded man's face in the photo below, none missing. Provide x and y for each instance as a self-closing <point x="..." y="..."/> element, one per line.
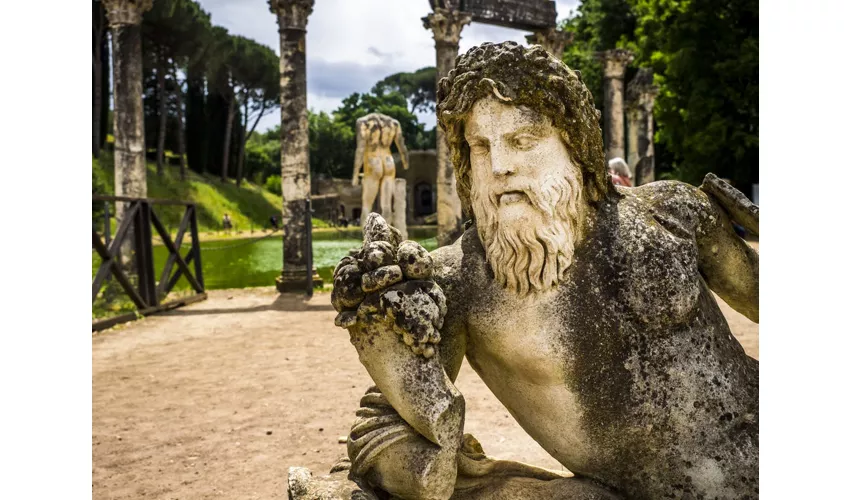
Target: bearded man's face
<point x="526" y="194"/>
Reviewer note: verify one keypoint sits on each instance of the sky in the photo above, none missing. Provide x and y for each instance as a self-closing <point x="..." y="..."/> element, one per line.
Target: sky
<point x="352" y="44"/>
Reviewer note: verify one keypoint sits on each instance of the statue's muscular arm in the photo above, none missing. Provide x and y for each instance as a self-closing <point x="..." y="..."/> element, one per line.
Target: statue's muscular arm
<point x="728" y="264"/>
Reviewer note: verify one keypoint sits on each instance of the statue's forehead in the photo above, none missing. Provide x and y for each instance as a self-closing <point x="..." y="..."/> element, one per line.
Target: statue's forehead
<point x="490" y="113"/>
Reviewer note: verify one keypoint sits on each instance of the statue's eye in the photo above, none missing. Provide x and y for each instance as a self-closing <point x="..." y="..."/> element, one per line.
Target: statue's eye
<point x="525" y="141"/>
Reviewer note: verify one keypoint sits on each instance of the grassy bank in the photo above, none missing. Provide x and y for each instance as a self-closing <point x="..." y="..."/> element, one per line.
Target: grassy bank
<point x="249" y="206"/>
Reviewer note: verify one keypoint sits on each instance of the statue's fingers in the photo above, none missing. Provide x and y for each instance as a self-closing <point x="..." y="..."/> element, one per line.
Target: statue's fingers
<point x="346" y="319"/>
<point x="348" y="259"/>
<point x="380" y="278"/>
<point x="415" y="262"/>
<point x="347" y="292"/>
<point x="377" y="229"/>
<point x="376" y="254"/>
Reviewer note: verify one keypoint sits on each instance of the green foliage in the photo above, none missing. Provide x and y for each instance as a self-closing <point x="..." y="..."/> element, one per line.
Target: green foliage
<point x="332" y="145"/>
<point x="248" y="206"/>
<point x="705" y="56"/>
<point x="273" y="184"/>
<point x="99" y="186"/>
<point x="705" y="59"/>
<point x="418" y="87"/>
<point x="597" y="25"/>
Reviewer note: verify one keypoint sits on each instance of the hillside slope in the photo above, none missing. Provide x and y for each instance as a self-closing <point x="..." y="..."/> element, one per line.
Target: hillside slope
<point x="248" y="205"/>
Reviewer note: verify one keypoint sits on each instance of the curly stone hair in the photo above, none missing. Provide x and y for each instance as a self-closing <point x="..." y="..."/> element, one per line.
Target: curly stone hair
<point x="527" y="76"/>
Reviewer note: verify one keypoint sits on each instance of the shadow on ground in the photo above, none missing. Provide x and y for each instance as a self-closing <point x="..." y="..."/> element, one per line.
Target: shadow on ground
<point x="284" y="302"/>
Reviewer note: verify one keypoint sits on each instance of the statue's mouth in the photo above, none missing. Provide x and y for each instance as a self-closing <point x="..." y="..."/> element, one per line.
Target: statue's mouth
<point x="511" y="197"/>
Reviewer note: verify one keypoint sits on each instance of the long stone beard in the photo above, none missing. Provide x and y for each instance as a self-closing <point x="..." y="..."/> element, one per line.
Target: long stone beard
<point x="535" y="256"/>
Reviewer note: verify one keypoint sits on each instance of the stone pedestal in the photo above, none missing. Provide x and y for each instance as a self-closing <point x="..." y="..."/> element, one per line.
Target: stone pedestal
<point x="551" y="39"/>
<point x="294" y="148"/>
<point x="446" y="26"/>
<point x="614" y="64"/>
<point x="399" y="220"/>
<point x="640" y="99"/>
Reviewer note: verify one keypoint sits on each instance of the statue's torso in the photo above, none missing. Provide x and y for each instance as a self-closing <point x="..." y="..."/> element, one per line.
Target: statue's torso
<point x="377" y="156"/>
<point x="628" y="367"/>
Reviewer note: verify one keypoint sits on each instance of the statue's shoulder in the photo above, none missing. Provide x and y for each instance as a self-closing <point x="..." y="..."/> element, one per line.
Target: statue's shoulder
<point x="458" y="265"/>
<point x="671" y="203"/>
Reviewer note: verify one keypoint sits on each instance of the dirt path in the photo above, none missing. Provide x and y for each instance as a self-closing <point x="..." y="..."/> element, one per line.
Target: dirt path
<point x="218" y="399"/>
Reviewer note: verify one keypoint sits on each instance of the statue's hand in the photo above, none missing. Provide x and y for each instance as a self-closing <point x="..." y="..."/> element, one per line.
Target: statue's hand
<point x="355" y="181"/>
<point x="392" y="283"/>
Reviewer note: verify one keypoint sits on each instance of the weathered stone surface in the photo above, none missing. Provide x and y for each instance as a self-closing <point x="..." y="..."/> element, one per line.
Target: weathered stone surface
<point x="294" y="150"/>
<point x="302" y="485"/>
<point x="520" y="14"/>
<point x="614" y="64"/>
<point x="399" y="220"/>
<point x="552" y="39"/>
<point x="376" y="133"/>
<point x="125" y="17"/>
<point x="586" y="308"/>
<point x="640" y="100"/>
<point x="446" y="26"/>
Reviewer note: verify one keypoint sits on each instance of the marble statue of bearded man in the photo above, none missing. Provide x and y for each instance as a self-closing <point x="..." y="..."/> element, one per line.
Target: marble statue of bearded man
<point x="586" y="309"/>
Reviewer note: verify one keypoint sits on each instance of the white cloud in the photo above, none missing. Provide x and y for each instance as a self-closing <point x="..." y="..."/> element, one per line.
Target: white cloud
<point x="353" y="44"/>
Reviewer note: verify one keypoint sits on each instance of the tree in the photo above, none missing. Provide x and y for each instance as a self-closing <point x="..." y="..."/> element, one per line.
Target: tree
<point x="705" y="57"/>
<point x="597" y="25"/>
<point x="256" y="88"/>
<point x="100" y="76"/>
<point x="419" y="88"/>
<point x="175" y="33"/>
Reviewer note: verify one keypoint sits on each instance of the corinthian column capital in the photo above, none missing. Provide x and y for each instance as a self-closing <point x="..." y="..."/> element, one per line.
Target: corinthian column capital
<point x="551" y="39"/>
<point x="446" y="25"/>
<point x="291" y="14"/>
<point x="126" y="12"/>
<point x="614" y="62"/>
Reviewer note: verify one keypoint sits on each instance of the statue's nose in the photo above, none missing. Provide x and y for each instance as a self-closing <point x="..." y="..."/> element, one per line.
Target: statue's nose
<point x="501" y="165"/>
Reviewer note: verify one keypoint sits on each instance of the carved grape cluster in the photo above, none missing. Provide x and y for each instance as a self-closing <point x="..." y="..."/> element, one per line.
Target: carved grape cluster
<point x="390" y="282"/>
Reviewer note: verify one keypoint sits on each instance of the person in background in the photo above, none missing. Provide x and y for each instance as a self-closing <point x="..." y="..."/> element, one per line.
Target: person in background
<point x="620" y="173"/>
<point x="226" y="223"/>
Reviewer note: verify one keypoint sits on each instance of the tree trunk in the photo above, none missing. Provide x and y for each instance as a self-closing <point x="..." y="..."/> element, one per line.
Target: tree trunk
<point x="196" y="123"/>
<point x="181" y="134"/>
<point x="105" y="97"/>
<point x="97" y="68"/>
<point x="231" y="111"/>
<point x="163" y="113"/>
<point x="247" y="135"/>
<point x="244" y="138"/>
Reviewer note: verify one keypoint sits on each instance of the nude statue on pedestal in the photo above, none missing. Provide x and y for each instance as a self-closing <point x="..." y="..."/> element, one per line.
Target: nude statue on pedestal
<point x="586" y="308"/>
<point x="375" y="134"/>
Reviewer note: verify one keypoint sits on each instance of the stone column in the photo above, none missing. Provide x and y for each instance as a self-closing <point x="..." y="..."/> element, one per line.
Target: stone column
<point x="446" y="26"/>
<point x="614" y="64"/>
<point x="294" y="148"/>
<point x="125" y="18"/>
<point x="399" y="220"/>
<point x="551" y="39"/>
<point x="640" y="99"/>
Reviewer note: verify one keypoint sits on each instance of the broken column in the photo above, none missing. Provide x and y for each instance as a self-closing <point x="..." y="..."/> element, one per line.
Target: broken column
<point x="614" y="64"/>
<point x="640" y="99"/>
<point x="551" y="39"/>
<point x="446" y="25"/>
<point x="125" y="18"/>
<point x="294" y="148"/>
<point x="399" y="216"/>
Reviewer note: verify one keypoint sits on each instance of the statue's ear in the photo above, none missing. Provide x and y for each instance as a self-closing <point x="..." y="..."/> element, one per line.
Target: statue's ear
<point x="578" y="74"/>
